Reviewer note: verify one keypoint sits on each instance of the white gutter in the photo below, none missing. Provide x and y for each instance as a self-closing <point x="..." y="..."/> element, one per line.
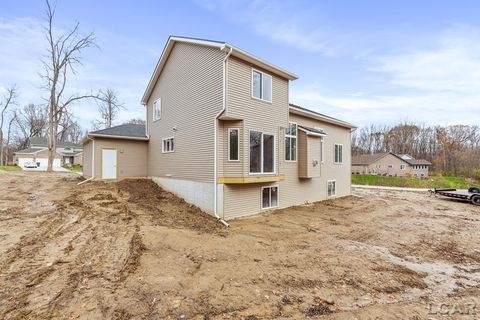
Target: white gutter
<point x="117" y="137"/>
<point x="215" y="171"/>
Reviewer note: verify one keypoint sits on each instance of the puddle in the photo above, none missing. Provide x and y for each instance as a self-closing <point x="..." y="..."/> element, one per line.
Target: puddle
<point x="442" y="278"/>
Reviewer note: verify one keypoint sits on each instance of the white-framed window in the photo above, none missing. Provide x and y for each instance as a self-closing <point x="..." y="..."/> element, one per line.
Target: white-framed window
<point x="233" y="144"/>
<point x="331" y="188"/>
<point x="378" y="166"/>
<point x="322" y="150"/>
<point x="291" y="142"/>
<point x="262" y="152"/>
<point x="261" y="85"/>
<point x="402" y="167"/>
<point x="157" y="109"/>
<point x="168" y="145"/>
<point x="338" y="153"/>
<point x="269" y="197"/>
<point x="390" y="166"/>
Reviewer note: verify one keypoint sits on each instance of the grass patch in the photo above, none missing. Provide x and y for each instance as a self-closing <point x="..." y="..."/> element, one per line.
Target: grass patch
<point x="435" y="181"/>
<point x="10" y="168"/>
<point x="75" y="168"/>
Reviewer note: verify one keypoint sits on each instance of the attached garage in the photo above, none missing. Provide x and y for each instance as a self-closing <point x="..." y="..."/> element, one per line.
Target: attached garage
<point x="115" y="153"/>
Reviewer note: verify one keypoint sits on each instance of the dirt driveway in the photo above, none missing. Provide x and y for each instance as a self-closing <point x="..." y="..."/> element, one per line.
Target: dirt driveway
<point x="129" y="250"/>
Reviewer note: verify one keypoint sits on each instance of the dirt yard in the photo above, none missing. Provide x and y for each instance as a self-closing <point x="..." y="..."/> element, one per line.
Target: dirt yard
<point x="129" y="250"/>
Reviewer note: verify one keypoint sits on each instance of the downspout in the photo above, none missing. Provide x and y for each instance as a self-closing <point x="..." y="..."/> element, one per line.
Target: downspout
<point x="93" y="163"/>
<point x="215" y="171"/>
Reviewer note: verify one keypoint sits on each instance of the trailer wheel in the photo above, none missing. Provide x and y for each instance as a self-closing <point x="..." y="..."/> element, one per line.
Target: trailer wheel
<point x="476" y="200"/>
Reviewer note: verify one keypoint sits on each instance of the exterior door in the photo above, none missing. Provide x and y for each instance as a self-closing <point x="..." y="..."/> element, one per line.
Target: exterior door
<point x="109" y="164"/>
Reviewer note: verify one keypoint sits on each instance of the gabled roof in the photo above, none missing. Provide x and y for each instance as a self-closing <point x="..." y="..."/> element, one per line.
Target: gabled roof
<point x="42" y="142"/>
<point x="418" y="162"/>
<point x="29" y="151"/>
<point x="124" y="131"/>
<point x="319" y="116"/>
<point x="224" y="46"/>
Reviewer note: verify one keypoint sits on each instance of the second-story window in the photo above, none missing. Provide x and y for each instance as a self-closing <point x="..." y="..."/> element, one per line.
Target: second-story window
<point x="338" y="153"/>
<point x="261" y="86"/>
<point x="233" y="144"/>
<point x="157" y="109"/>
<point x="262" y="152"/>
<point x="291" y="142"/>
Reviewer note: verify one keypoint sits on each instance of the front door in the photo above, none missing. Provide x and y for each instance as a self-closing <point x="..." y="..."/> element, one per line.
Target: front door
<point x="109" y="164"/>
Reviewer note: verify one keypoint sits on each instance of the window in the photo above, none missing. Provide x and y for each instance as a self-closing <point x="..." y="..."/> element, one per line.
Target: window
<point x="321" y="150"/>
<point x="262" y="152"/>
<point x="233" y="145"/>
<point x="261" y="86"/>
<point x="157" y="109"/>
<point x="291" y="142"/>
<point x="331" y="188"/>
<point x="269" y="197"/>
<point x="402" y="167"/>
<point x="390" y="166"/>
<point x="338" y="153"/>
<point x="167" y="145"/>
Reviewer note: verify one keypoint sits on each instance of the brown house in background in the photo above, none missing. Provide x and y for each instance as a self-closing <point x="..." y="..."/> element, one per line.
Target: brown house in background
<point x="390" y="164"/>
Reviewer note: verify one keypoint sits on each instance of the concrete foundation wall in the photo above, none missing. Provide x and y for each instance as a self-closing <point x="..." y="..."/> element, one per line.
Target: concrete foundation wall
<point x="197" y="193"/>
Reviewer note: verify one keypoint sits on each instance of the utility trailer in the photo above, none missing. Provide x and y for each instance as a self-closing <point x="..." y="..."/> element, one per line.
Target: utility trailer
<point x="472" y="194"/>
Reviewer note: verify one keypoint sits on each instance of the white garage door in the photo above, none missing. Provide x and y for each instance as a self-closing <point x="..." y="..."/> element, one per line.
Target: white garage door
<point x="57" y="163"/>
<point x="43" y="162"/>
<point x="21" y="161"/>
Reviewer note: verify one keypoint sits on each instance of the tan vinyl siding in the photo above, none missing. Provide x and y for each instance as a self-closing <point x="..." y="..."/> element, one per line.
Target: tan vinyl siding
<point x="302" y="154"/>
<point x="256" y="115"/>
<point x="243" y="200"/>
<point x="228" y="168"/>
<point x="191" y="92"/>
<point x="308" y="154"/>
<point x="381" y="166"/>
<point x="131" y="157"/>
<point x="87" y="159"/>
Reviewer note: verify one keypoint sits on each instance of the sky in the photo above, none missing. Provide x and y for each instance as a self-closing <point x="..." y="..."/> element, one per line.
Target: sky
<point x="365" y="62"/>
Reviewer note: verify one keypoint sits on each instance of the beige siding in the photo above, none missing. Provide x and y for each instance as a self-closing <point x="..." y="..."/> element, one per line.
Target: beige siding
<point x="131" y="157"/>
<point x="302" y="154"/>
<point x="242" y="200"/>
<point x="228" y="168"/>
<point x="381" y="166"/>
<point x="256" y="115"/>
<point x="87" y="159"/>
<point x="191" y="92"/>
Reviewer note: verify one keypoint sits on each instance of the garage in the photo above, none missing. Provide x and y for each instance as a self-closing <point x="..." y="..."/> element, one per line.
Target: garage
<point x="22" y="161"/>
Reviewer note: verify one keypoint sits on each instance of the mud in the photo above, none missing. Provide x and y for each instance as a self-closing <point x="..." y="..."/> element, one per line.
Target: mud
<point x="131" y="250"/>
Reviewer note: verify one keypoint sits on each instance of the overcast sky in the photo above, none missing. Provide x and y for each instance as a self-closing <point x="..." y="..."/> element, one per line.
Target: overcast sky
<point x="360" y="61"/>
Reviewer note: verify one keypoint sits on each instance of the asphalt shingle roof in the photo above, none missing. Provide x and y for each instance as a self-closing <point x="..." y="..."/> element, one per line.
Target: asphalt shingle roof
<point x="29" y="150"/>
<point x="41" y="141"/>
<point x="124" y="130"/>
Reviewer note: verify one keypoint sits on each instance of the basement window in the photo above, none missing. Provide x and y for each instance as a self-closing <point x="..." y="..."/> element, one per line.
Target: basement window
<point x="261" y="85"/>
<point x="167" y="145"/>
<point x="269" y="197"/>
<point x="331" y="188"/>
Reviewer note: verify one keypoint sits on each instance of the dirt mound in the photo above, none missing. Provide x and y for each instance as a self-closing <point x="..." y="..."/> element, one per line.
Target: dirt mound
<point x="165" y="208"/>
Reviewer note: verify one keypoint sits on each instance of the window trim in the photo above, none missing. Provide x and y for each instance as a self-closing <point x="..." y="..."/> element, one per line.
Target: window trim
<point x="335" y="193"/>
<point x="163" y="145"/>
<point x="278" y="197"/>
<point x="403" y="167"/>
<point x="296" y="142"/>
<point x="238" y="144"/>
<point x="261" y="86"/>
<point x="334" y="153"/>
<point x="159" y="100"/>
<point x="274" y="172"/>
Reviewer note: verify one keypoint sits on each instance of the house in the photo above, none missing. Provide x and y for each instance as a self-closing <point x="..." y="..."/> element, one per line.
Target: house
<point x="390" y="164"/>
<point x="68" y="153"/>
<point x="221" y="134"/>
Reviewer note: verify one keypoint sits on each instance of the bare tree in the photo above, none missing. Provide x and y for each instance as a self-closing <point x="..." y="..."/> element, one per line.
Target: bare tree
<point x="136" y="121"/>
<point x="9" y="100"/>
<point x="31" y="121"/>
<point x="11" y="122"/>
<point x="109" y="107"/>
<point x="63" y="55"/>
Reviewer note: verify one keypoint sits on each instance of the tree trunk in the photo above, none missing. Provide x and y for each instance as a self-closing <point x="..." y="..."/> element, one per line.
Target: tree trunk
<point x="1" y="147"/>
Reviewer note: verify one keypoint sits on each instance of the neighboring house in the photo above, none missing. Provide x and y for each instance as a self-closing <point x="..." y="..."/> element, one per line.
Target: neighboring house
<point x="390" y="164"/>
<point x="67" y="153"/>
<point x="221" y="134"/>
